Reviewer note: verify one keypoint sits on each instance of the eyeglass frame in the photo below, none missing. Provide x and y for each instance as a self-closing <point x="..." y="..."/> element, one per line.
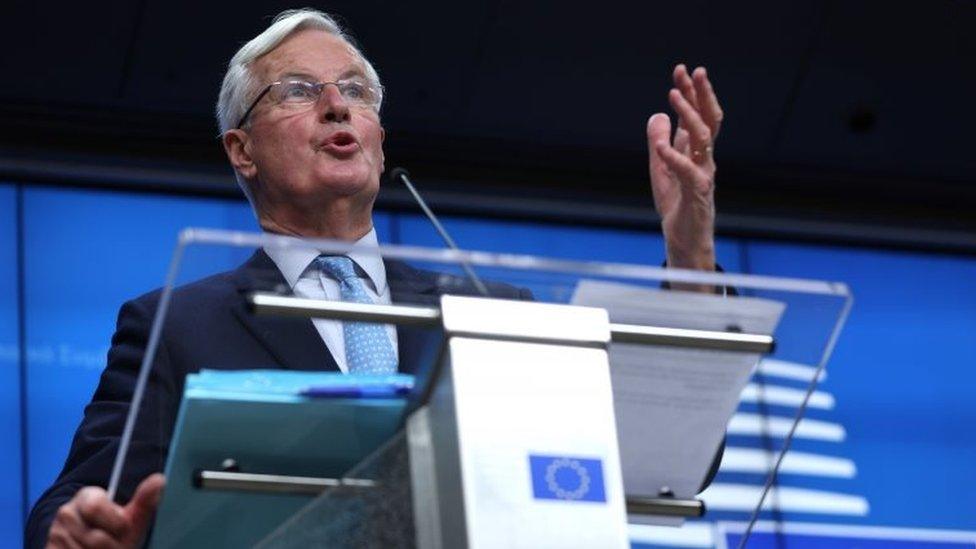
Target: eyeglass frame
<point x="320" y="85"/>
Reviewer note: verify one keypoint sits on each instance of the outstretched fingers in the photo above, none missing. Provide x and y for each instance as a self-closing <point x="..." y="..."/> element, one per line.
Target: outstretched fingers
<point x="685" y="84"/>
<point x="708" y="106"/>
<point x="699" y="134"/>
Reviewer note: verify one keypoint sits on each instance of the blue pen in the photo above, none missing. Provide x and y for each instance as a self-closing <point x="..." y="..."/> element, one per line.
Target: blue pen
<point x="368" y="391"/>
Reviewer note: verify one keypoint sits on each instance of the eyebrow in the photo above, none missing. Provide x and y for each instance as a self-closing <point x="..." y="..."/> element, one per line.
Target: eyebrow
<point x="355" y="71"/>
<point x="296" y="74"/>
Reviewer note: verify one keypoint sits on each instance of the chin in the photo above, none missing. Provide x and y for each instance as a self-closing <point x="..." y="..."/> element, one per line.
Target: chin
<point x="351" y="183"/>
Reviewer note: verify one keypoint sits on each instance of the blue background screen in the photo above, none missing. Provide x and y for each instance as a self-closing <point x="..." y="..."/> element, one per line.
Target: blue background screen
<point x="902" y="375"/>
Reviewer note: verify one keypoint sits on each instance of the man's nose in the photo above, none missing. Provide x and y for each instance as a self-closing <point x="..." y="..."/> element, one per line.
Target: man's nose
<point x="332" y="105"/>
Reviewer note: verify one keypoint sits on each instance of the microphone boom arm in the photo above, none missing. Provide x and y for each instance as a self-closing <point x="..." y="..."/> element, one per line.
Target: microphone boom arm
<point x="400" y="173"/>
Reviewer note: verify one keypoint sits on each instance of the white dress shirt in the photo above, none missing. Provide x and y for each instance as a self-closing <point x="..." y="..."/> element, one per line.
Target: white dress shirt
<point x="306" y="280"/>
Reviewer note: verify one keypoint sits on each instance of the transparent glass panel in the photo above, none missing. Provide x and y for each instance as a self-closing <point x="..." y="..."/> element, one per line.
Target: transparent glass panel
<point x="374" y="510"/>
<point x="208" y="321"/>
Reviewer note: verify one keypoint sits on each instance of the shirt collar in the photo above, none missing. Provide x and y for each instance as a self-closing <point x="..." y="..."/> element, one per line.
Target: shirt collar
<point x="294" y="261"/>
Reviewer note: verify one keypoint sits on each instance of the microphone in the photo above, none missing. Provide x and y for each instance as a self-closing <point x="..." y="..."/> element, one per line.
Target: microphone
<point x="403" y="175"/>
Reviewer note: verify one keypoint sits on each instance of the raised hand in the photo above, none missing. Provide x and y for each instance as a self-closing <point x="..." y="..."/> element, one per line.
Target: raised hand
<point x="683" y="170"/>
<point x="91" y="519"/>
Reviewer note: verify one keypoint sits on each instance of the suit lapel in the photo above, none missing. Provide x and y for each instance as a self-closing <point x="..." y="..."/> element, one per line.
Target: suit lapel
<point x="293" y="342"/>
<point x="409" y="286"/>
<point x="416" y="347"/>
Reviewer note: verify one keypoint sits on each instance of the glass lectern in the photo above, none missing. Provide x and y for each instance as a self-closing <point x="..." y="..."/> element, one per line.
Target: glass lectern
<point x="538" y="402"/>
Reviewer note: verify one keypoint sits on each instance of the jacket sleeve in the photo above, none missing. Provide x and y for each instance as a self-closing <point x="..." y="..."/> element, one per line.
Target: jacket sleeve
<point x="96" y="441"/>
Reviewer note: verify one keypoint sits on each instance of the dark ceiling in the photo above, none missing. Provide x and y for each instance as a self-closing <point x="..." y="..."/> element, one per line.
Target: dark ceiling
<point x="843" y="118"/>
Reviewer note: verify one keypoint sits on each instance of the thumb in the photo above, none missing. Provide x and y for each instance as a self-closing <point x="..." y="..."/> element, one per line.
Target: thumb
<point x="658" y="129"/>
<point x="658" y="136"/>
<point x="143" y="504"/>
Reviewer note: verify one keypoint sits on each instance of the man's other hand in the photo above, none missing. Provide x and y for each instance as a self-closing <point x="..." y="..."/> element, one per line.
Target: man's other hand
<point x="683" y="170"/>
<point x="91" y="519"/>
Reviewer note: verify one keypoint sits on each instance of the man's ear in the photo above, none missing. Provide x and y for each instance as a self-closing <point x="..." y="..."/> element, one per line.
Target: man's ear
<point x="237" y="146"/>
<point x="382" y="152"/>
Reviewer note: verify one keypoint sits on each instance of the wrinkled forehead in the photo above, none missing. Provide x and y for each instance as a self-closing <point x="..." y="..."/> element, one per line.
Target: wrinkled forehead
<point x="314" y="53"/>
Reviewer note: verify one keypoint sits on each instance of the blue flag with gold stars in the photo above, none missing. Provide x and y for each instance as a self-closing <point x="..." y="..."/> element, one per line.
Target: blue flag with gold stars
<point x="567" y="478"/>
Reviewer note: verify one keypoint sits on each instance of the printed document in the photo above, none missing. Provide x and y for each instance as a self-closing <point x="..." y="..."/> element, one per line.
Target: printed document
<point x="672" y="404"/>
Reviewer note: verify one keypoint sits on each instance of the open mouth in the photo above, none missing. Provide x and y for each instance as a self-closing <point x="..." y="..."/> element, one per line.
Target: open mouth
<point x="341" y="143"/>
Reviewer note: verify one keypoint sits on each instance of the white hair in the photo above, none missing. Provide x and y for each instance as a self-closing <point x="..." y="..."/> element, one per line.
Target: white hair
<point x="240" y="84"/>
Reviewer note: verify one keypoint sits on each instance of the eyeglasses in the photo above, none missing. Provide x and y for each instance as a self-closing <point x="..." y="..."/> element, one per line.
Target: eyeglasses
<point x="302" y="93"/>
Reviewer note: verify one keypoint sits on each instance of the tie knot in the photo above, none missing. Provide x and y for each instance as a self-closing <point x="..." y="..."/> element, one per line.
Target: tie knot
<point x="339" y="267"/>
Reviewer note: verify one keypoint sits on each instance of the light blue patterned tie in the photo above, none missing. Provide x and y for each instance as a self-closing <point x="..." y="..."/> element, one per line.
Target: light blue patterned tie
<point x="368" y="346"/>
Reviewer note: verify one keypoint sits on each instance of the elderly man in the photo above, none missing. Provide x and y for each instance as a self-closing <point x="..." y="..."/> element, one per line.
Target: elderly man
<point x="299" y="115"/>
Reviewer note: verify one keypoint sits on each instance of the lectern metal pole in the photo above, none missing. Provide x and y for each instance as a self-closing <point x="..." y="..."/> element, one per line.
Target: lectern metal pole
<point x="276" y="484"/>
<point x="264" y="303"/>
<point x="667" y="507"/>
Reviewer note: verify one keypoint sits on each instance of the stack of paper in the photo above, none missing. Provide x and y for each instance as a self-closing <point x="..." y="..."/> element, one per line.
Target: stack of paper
<point x="673" y="404"/>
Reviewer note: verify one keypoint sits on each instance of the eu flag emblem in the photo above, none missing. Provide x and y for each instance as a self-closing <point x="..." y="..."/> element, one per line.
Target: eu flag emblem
<point x="567" y="478"/>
